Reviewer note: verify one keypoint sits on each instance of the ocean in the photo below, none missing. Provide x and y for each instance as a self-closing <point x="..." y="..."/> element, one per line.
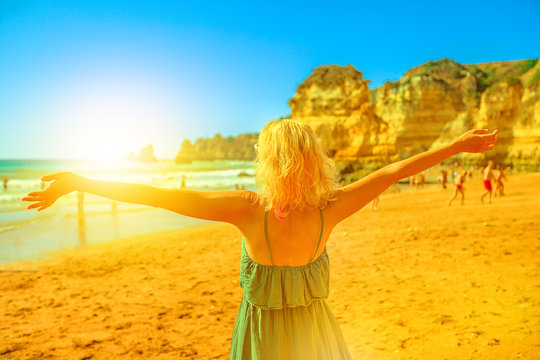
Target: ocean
<point x="28" y="234"/>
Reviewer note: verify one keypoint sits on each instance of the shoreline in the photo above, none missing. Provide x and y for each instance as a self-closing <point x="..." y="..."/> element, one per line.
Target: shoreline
<point x="415" y="279"/>
<point x="57" y="256"/>
<point x="62" y="228"/>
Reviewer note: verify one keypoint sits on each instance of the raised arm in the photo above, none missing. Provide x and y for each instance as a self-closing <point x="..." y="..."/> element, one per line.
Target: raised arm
<point x="229" y="206"/>
<point x="353" y="197"/>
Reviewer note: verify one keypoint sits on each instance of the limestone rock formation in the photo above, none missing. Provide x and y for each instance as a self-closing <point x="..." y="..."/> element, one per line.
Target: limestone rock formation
<point x="147" y="154"/>
<point x="429" y="106"/>
<point x="218" y="148"/>
<point x="131" y="157"/>
<point x="330" y="91"/>
<point x="334" y="101"/>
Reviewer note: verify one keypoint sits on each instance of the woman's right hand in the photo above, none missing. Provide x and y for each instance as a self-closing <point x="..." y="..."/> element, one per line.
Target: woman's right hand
<point x="63" y="183"/>
<point x="476" y="141"/>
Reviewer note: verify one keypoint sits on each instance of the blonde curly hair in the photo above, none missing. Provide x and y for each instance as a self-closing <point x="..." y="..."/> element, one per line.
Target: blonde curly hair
<point x="292" y="170"/>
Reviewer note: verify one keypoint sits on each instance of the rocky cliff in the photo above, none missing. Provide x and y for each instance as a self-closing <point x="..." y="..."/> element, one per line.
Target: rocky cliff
<point x="147" y="154"/>
<point x="429" y="106"/>
<point x="218" y="148"/>
<point x="335" y="102"/>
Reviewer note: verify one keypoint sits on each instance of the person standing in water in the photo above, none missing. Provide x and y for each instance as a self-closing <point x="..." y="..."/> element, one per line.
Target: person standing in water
<point x="80" y="203"/>
<point x="487" y="176"/>
<point x="458" y="182"/>
<point x="183" y="184"/>
<point x="284" y="266"/>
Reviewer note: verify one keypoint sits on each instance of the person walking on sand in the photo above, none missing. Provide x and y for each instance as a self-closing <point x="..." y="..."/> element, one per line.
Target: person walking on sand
<point x="499" y="186"/>
<point x="284" y="265"/>
<point x="458" y="182"/>
<point x="487" y="175"/>
<point x="5" y="184"/>
<point x="443" y="179"/>
<point x="419" y="180"/>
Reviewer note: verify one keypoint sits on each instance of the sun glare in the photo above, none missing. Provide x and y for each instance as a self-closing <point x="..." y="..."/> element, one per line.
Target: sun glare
<point x="110" y="120"/>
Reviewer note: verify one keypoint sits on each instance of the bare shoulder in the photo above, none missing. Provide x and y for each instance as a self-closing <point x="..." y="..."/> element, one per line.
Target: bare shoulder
<point x="251" y="205"/>
<point x="250" y="200"/>
<point x="332" y="209"/>
<point x="241" y="200"/>
<point x="251" y="197"/>
<point x="351" y="198"/>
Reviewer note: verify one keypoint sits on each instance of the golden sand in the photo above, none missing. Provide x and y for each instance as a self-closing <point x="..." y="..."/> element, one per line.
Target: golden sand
<point x="415" y="279"/>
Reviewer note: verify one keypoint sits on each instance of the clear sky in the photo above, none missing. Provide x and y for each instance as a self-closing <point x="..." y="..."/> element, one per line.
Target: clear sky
<point x="104" y="78"/>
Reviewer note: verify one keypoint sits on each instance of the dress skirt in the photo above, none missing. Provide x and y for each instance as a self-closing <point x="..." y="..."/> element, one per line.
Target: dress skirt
<point x="300" y="332"/>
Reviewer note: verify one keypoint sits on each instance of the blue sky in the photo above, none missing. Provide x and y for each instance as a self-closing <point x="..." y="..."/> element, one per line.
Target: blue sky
<point x="103" y="78"/>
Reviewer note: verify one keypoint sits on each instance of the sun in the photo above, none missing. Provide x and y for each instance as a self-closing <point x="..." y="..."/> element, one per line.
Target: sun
<point x="109" y="121"/>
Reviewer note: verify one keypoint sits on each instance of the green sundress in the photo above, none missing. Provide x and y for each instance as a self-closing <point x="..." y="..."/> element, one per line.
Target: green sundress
<point x="283" y="313"/>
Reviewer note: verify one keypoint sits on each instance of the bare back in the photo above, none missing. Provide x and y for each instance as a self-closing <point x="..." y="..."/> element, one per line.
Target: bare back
<point x="292" y="242"/>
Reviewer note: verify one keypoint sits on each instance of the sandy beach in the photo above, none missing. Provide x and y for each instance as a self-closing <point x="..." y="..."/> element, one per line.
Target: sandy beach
<point x="415" y="279"/>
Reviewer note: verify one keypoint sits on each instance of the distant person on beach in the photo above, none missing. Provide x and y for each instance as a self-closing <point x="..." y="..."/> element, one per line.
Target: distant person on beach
<point x="375" y="204"/>
<point x="80" y="202"/>
<point x="487" y="176"/>
<point x="458" y="182"/>
<point x="499" y="176"/>
<point x="284" y="266"/>
<point x="183" y="184"/>
<point x="236" y="187"/>
<point x="443" y="179"/>
<point x="5" y="183"/>
<point x="419" y="180"/>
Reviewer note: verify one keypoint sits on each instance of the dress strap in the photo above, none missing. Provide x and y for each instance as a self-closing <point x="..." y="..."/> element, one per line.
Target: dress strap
<point x="266" y="235"/>
<point x="320" y="235"/>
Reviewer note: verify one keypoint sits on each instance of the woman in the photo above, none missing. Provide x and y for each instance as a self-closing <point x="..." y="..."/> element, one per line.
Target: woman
<point x="284" y="266"/>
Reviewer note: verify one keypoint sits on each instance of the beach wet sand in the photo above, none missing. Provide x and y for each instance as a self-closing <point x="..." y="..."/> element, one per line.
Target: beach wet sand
<point x="416" y="279"/>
